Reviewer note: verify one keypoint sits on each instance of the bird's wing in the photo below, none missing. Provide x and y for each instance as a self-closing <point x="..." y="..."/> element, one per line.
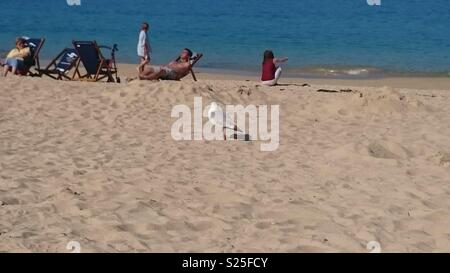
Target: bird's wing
<point x="228" y="121"/>
<point x="216" y="117"/>
<point x="223" y="120"/>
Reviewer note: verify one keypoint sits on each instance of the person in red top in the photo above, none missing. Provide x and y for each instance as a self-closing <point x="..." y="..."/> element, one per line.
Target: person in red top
<point x="270" y="73"/>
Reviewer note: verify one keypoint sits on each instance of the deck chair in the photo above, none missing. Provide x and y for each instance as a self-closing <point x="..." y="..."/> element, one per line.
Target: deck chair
<point x="193" y="60"/>
<point x="60" y="66"/>
<point x="35" y="45"/>
<point x="97" y="67"/>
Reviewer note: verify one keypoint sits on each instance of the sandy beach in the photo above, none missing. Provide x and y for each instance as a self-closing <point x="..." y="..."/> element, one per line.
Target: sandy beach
<point x="96" y="163"/>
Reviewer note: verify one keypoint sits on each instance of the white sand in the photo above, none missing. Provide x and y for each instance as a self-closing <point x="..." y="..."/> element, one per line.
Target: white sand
<point x="95" y="163"/>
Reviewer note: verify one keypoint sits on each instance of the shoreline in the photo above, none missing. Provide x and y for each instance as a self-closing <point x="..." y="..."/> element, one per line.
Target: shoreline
<point x="330" y="71"/>
<point x="425" y="83"/>
<point x="326" y="72"/>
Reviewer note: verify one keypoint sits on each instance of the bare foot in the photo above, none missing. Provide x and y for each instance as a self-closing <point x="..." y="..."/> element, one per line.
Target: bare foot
<point x="131" y="79"/>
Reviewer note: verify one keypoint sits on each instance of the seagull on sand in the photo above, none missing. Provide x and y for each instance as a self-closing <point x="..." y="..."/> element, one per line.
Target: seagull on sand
<point x="219" y="119"/>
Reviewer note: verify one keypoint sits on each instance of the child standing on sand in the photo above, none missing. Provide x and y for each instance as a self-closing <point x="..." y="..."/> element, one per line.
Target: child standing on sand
<point x="144" y="49"/>
<point x="270" y="73"/>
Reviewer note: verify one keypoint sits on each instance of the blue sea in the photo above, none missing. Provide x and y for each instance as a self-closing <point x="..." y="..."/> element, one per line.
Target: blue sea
<point x="320" y="37"/>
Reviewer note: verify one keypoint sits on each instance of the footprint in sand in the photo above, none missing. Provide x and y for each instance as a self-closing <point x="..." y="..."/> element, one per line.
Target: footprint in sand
<point x="9" y="201"/>
<point x="388" y="150"/>
<point x="263" y="225"/>
<point x="199" y="226"/>
<point x="444" y="160"/>
<point x="441" y="159"/>
<point x="79" y="172"/>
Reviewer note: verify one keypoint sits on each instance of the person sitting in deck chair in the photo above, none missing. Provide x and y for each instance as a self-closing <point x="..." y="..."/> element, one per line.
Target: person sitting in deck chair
<point x="175" y="70"/>
<point x="15" y="58"/>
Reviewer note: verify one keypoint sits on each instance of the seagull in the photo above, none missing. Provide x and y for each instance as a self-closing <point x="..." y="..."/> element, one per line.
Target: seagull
<point x="219" y="119"/>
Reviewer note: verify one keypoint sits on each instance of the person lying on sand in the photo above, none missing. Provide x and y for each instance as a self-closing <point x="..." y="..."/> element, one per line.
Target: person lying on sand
<point x="15" y="58"/>
<point x="270" y="73"/>
<point x="175" y="70"/>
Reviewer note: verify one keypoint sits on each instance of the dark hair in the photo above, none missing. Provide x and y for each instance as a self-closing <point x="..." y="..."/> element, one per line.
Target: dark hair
<point x="146" y="25"/>
<point x="268" y="54"/>
<point x="189" y="52"/>
<point x="20" y="40"/>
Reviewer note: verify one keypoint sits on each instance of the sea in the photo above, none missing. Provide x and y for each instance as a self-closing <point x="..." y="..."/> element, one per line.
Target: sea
<point x="321" y="38"/>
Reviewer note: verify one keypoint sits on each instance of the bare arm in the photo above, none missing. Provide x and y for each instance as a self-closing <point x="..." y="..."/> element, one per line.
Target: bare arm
<point x="25" y="52"/>
<point x="178" y="64"/>
<point x="21" y="53"/>
<point x="280" y="60"/>
<point x="146" y="48"/>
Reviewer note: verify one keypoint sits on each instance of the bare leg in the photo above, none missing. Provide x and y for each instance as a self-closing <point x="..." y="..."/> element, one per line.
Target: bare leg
<point x="14" y="70"/>
<point x="151" y="76"/>
<point x="141" y="66"/>
<point x="12" y="64"/>
<point x="146" y="71"/>
<point x="5" y="70"/>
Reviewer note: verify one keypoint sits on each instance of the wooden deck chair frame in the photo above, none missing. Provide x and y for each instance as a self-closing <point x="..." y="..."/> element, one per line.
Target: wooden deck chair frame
<point x="199" y="56"/>
<point x="194" y="61"/>
<point x="103" y="70"/>
<point x="37" y="65"/>
<point x="52" y="72"/>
